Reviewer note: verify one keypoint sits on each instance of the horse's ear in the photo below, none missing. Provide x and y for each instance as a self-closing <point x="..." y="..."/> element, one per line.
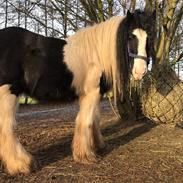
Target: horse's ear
<point x="129" y="14"/>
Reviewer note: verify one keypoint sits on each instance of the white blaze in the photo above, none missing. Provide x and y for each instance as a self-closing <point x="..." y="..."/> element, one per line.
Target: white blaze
<point x="140" y="65"/>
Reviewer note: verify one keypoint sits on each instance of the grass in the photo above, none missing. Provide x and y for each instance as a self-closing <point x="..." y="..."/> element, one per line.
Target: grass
<point x="22" y="100"/>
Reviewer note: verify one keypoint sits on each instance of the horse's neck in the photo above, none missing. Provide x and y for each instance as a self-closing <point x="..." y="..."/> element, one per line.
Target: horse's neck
<point x="96" y="44"/>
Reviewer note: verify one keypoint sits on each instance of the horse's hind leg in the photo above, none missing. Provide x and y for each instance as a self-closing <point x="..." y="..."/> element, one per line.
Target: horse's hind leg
<point x="84" y="141"/>
<point x="15" y="158"/>
<point x="98" y="138"/>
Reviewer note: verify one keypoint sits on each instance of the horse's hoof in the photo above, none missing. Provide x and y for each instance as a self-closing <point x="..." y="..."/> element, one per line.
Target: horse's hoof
<point x="85" y="158"/>
<point x="34" y="166"/>
<point x="101" y="146"/>
<point x="19" y="166"/>
<point x="18" y="169"/>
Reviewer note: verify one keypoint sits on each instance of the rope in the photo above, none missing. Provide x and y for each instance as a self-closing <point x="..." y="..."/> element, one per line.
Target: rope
<point x="113" y="107"/>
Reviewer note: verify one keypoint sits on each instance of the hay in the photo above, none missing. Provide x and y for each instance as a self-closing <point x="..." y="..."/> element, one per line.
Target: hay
<point x="162" y="96"/>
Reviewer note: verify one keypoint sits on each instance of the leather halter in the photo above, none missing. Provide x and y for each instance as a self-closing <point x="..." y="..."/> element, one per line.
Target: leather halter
<point x="130" y="54"/>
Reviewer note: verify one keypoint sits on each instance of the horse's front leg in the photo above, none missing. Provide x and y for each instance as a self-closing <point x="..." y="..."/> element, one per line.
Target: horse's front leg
<point x="15" y="158"/>
<point x="86" y="137"/>
<point x="83" y="142"/>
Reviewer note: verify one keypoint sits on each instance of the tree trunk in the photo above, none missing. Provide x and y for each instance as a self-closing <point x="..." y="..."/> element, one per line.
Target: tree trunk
<point x="6" y="13"/>
<point x="45" y="17"/>
<point x="163" y="49"/>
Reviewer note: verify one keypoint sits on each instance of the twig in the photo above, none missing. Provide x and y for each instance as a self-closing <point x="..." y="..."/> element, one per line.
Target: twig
<point x="113" y="108"/>
<point x="176" y="60"/>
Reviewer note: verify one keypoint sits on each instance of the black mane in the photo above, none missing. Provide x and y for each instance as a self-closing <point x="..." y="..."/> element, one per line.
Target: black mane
<point x="138" y="19"/>
<point x="147" y="22"/>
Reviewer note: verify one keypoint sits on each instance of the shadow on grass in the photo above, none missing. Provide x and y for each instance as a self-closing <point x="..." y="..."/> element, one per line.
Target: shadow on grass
<point x="115" y="135"/>
<point x="52" y="153"/>
<point x="123" y="132"/>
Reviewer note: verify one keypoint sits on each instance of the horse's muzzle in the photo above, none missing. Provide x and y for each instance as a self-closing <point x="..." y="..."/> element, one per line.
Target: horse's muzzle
<point x="139" y="69"/>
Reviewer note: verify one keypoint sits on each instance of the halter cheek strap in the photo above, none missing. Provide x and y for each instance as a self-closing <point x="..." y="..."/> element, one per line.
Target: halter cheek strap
<point x="130" y="54"/>
<point x="137" y="56"/>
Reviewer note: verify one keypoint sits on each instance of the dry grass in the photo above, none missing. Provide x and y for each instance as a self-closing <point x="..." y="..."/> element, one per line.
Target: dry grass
<point x="135" y="152"/>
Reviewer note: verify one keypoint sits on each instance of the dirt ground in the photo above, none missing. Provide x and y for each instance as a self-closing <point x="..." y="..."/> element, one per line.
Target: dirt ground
<point x="136" y="151"/>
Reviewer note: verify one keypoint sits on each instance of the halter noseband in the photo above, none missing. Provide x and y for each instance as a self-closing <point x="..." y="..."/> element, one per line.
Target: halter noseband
<point x="130" y="54"/>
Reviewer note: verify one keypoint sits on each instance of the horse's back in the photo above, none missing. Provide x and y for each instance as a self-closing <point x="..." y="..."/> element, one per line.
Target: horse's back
<point x="29" y="62"/>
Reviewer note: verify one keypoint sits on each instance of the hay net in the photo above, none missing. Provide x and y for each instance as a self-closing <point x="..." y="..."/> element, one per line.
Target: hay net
<point x="162" y="96"/>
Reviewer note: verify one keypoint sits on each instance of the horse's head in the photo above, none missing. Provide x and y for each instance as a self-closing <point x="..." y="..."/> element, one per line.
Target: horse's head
<point x="140" y="41"/>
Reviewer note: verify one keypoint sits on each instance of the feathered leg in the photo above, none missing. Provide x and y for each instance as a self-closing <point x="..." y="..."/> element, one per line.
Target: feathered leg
<point x="14" y="156"/>
<point x="98" y="138"/>
<point x="84" y="141"/>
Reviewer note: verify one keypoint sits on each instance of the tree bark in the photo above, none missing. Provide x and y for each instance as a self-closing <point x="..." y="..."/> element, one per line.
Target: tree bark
<point x="165" y="38"/>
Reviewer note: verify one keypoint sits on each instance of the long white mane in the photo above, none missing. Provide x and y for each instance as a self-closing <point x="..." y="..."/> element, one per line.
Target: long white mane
<point x="96" y="44"/>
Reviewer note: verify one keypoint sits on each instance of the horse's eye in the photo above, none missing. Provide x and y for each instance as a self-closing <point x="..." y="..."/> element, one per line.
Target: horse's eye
<point x="131" y="36"/>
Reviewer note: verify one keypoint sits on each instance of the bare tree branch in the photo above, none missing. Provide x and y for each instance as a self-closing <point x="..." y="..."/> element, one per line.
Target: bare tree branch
<point x="176" y="60"/>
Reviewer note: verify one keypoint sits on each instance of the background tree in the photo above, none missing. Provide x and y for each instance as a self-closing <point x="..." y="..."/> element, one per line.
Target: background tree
<point x="169" y="22"/>
<point x="61" y="18"/>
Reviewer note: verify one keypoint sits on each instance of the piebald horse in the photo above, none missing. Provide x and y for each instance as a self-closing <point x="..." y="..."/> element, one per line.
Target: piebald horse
<point x="84" y="66"/>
